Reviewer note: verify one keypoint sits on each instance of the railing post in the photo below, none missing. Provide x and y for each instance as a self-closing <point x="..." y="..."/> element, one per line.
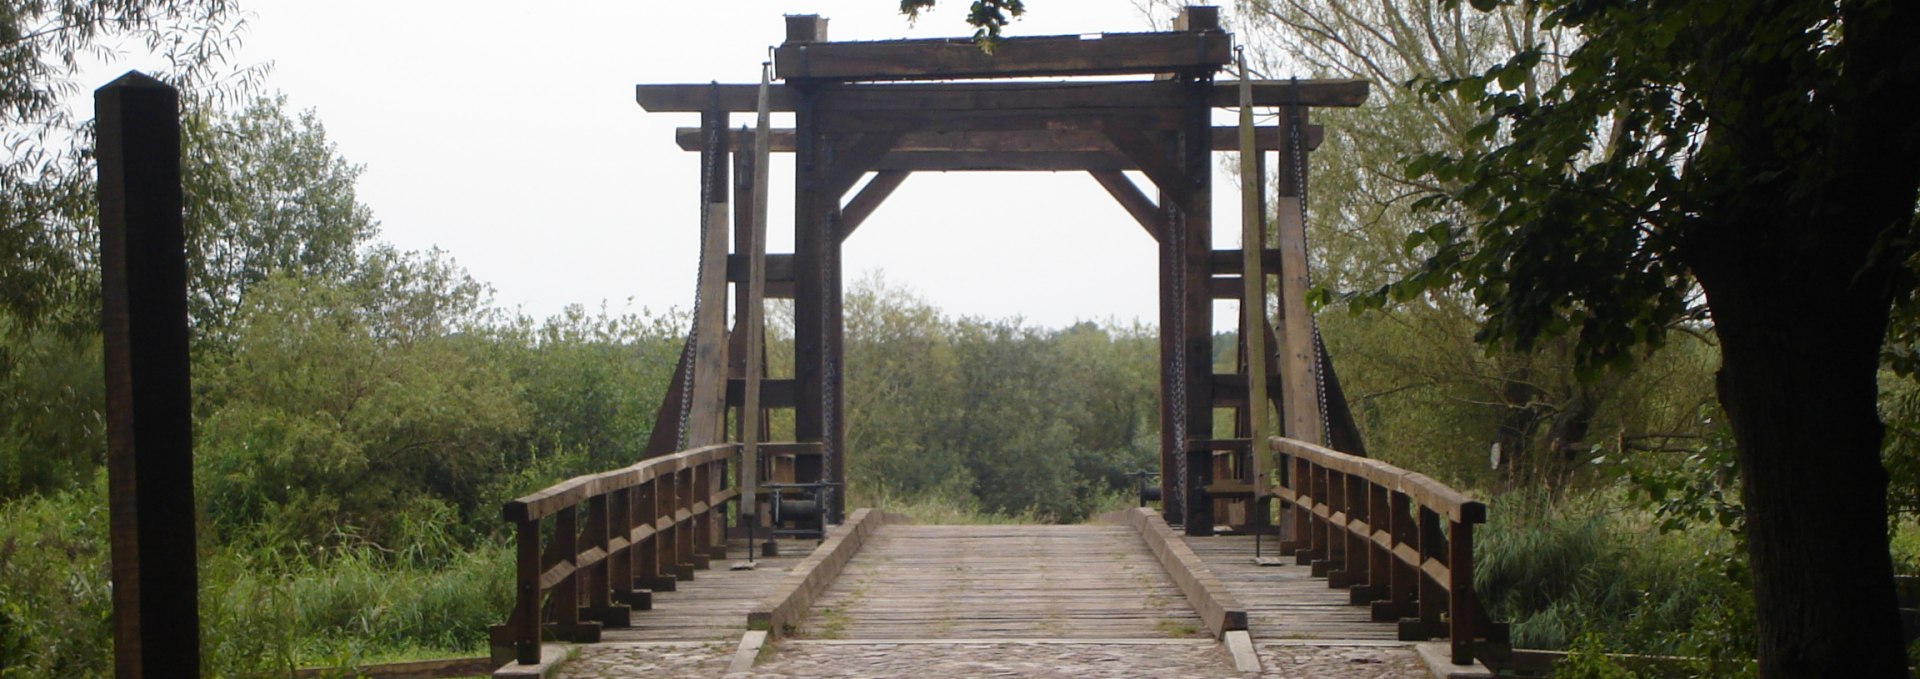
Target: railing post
<point x="1403" y="580"/>
<point x="598" y="578"/>
<point x="687" y="540"/>
<point x="566" y="549"/>
<point x="647" y="563"/>
<point x="1433" y="593"/>
<point x="1379" y="556"/>
<point x="526" y="612"/>
<point x="1332" y="536"/>
<point x="1460" y="613"/>
<point x="1354" y="562"/>
<point x="716" y="508"/>
<point x="622" y="568"/>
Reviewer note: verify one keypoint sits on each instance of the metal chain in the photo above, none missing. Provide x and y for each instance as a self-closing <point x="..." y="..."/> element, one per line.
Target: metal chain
<point x="1298" y="148"/>
<point x="1179" y="363"/>
<point x="693" y="335"/>
<point x="830" y="385"/>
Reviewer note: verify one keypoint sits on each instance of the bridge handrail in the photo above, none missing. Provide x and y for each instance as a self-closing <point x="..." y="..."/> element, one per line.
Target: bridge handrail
<point x="1401" y="540"/>
<point x="646" y="526"/>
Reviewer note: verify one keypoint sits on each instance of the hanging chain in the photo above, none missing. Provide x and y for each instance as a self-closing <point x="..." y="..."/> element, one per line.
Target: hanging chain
<point x="829" y="380"/>
<point x="1179" y="363"/>
<point x="1296" y="141"/>
<point x="712" y="155"/>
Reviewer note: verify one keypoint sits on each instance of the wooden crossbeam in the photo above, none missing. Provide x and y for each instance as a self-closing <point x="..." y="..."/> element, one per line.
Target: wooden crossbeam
<point x="1136" y="203"/>
<point x="1153" y="161"/>
<point x="1225" y="138"/>
<point x="697" y="97"/>
<point x="1038" y="56"/>
<point x="869" y="199"/>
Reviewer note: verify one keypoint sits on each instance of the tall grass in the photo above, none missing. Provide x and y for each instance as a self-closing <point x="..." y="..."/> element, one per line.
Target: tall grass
<point x="1563" y="566"/>
<point x="260" y="611"/>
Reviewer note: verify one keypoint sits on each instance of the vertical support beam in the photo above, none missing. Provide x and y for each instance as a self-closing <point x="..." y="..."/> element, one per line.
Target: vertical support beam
<point x="809" y="259"/>
<point x="707" y="417"/>
<point x="1299" y="366"/>
<point x="1196" y="235"/>
<point x="1253" y="293"/>
<point x="818" y="327"/>
<point x="156" y="613"/>
<point x="753" y="308"/>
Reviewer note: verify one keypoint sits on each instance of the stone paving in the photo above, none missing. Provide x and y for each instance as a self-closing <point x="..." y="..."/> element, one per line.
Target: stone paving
<point x="1050" y="660"/>
<point x="1172" y="659"/>
<point x="1327" y="661"/>
<point x="679" y="660"/>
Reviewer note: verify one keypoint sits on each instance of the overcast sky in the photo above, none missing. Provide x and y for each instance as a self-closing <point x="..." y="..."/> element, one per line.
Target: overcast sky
<point x="506" y="133"/>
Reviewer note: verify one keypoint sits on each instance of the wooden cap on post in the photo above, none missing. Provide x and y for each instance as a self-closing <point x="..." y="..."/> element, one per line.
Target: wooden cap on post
<point x="1192" y="18"/>
<point x="806" y="28"/>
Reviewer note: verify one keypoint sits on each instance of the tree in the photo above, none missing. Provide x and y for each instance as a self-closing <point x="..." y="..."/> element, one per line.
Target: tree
<point x="46" y="197"/>
<point x="266" y="192"/>
<point x="1757" y="157"/>
<point x="348" y="404"/>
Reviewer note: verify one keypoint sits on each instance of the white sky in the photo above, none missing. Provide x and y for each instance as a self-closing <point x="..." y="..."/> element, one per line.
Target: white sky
<point x="506" y="133"/>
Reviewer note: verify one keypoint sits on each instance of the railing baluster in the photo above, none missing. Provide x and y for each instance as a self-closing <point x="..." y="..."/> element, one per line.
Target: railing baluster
<point x="566" y="593"/>
<point x="526" y="610"/>
<point x="1460" y="610"/>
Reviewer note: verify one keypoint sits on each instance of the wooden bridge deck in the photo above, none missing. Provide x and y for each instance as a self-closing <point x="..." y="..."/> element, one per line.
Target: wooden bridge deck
<point x="713" y="606"/>
<point x="1285" y="602"/>
<point x="1003" y="582"/>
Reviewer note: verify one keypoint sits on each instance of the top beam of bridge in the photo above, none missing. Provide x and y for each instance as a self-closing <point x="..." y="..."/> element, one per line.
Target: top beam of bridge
<point x="693" y="98"/>
<point x="1197" y="45"/>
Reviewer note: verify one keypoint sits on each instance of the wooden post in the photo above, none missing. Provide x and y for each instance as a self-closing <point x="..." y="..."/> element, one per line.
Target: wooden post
<point x="754" y="312"/>
<point x="706" y="417"/>
<point x="809" y="262"/>
<point x="1460" y="610"/>
<point x="1298" y="365"/>
<point x="565" y="548"/>
<point x="526" y="611"/>
<point x="156" y="612"/>
<point x="1196" y="149"/>
<point x="1404" y="582"/>
<point x="1253" y="297"/>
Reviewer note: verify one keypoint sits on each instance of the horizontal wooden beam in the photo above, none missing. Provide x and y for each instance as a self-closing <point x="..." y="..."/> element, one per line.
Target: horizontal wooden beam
<point x="1225" y="138"/>
<point x="774" y="393"/>
<point x="742" y="98"/>
<point x="779" y="267"/>
<point x="1054" y="55"/>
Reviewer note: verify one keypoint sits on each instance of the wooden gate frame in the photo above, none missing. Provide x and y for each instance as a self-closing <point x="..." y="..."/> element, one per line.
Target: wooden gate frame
<point x="865" y="107"/>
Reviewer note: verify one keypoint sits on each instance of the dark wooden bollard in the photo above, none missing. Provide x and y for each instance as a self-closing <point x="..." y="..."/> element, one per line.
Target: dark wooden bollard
<point x="156" y="613"/>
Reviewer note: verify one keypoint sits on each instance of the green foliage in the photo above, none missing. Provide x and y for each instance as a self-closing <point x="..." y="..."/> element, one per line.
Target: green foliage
<point x="46" y="175"/>
<point x="986" y="16"/>
<point x="352" y="404"/>
<point x="1559" y="567"/>
<point x="56" y="602"/>
<point x="52" y="433"/>
<point x="266" y="193"/>
<point x="1019" y="420"/>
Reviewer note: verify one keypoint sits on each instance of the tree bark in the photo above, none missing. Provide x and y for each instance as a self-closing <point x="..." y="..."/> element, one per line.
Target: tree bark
<point x="1800" y="398"/>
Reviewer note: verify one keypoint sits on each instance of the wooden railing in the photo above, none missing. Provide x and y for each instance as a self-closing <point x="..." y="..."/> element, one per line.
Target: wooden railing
<point x="646" y="527"/>
<point x="1399" y="540"/>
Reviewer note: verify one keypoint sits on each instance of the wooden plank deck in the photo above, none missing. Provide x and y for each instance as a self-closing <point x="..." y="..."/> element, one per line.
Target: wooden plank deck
<point x="1285" y="602"/>
<point x="1003" y="582"/>
<point x="713" y="606"/>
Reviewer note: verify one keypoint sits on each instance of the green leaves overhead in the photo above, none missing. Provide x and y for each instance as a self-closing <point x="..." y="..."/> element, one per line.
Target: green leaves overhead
<point x="986" y="16"/>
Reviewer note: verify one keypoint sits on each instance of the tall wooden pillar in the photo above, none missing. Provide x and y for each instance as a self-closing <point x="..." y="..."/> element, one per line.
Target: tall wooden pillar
<point x="143" y="262"/>
<point x="816" y="301"/>
<point x="1196" y="149"/>
<point x="1172" y="509"/>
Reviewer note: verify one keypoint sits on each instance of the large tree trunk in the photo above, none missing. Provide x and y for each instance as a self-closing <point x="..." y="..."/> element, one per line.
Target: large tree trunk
<point x="1800" y="396"/>
<point x="1799" y="258"/>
